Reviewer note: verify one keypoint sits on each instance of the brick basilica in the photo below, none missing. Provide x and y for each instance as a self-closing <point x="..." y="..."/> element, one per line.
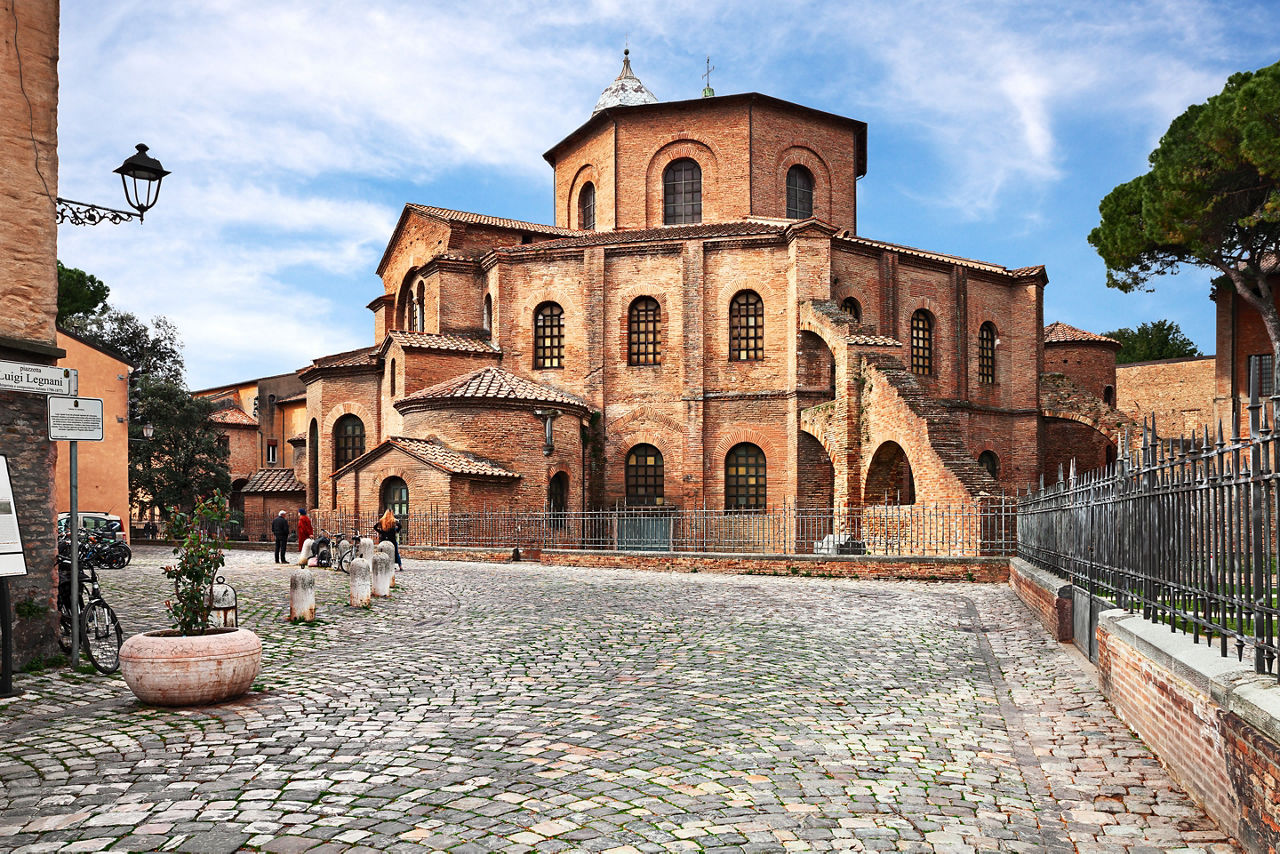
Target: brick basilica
<point x="703" y="326"/>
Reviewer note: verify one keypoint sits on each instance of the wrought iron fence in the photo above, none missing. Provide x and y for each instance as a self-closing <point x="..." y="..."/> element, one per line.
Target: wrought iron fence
<point x="1183" y="530"/>
<point x="971" y="530"/>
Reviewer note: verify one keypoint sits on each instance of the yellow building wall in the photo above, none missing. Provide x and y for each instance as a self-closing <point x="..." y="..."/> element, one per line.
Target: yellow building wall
<point x="103" y="466"/>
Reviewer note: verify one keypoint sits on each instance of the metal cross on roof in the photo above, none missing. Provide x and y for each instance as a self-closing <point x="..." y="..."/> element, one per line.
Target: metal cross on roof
<point x="708" y="92"/>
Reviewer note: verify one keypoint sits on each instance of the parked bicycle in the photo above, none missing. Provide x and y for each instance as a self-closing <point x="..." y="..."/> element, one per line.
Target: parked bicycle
<point x="335" y="550"/>
<point x="100" y="629"/>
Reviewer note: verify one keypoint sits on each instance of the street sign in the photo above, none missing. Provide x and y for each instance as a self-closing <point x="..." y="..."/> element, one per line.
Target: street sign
<point x="75" y="419"/>
<point x="38" y="379"/>
<point x="12" y="561"/>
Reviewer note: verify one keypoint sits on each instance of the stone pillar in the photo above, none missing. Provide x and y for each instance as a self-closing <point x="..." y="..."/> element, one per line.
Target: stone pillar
<point x="390" y="551"/>
<point x="302" y="596"/>
<point x="365" y="548"/>
<point x="361" y="583"/>
<point x="382" y="574"/>
<point x="307" y="551"/>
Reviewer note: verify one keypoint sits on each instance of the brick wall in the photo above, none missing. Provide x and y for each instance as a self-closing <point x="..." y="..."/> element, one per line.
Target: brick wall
<point x="1045" y="595"/>
<point x="1178" y="392"/>
<point x="927" y="569"/>
<point x="1065" y="440"/>
<point x="242" y="442"/>
<point x="1090" y="365"/>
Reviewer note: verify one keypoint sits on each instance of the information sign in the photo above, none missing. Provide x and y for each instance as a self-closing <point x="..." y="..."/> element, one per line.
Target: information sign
<point x="12" y="560"/>
<point x="75" y="419"/>
<point x="39" y="379"/>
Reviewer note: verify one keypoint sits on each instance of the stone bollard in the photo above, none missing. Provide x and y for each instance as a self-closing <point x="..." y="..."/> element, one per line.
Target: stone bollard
<point x="390" y="551"/>
<point x="307" y="550"/>
<point x="366" y="549"/>
<point x="382" y="575"/>
<point x="361" y="582"/>
<point x="302" y="596"/>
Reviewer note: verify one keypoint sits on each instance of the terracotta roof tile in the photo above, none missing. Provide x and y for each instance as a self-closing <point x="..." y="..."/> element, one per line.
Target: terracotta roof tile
<point x="642" y="235"/>
<point x="273" y="480"/>
<point x="349" y="359"/>
<point x="495" y="384"/>
<point x="1061" y="333"/>
<point x="450" y="342"/>
<point x="233" y="416"/>
<point x="482" y="219"/>
<point x="454" y="462"/>
<point x="293" y="398"/>
<point x="870" y="340"/>
<point x="1020" y="272"/>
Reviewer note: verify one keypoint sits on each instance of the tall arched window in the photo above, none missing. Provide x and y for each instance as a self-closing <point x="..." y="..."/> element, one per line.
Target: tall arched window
<point x="644" y="476"/>
<point x="850" y="307"/>
<point x="644" y="332"/>
<point x="421" y="324"/>
<point x="395" y="496"/>
<point x="487" y="319"/>
<point x="548" y="336"/>
<point x="682" y="192"/>
<point x="746" y="327"/>
<point x="987" y="353"/>
<point x="799" y="193"/>
<point x="744" y="478"/>
<point x="392" y="377"/>
<point x="922" y="343"/>
<point x="348" y="440"/>
<point x="587" y="207"/>
<point x="558" y="499"/>
<point x="989" y="461"/>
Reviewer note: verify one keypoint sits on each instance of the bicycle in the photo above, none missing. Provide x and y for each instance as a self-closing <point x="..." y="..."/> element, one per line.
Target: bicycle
<point x="336" y="552"/>
<point x="99" y="627"/>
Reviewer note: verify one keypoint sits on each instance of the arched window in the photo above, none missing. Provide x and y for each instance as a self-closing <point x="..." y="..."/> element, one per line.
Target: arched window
<point x="799" y="193"/>
<point x="922" y="343"/>
<point x="411" y="314"/>
<point x="644" y="332"/>
<point x="587" y="207"/>
<point x="487" y="319"/>
<point x="682" y="192"/>
<point x="395" y="496"/>
<point x="392" y="375"/>
<point x="558" y="499"/>
<point x="989" y="461"/>
<point x="744" y="478"/>
<point x="644" y="476"/>
<point x="548" y="336"/>
<point x="746" y="327"/>
<point x="850" y="307"/>
<point x="421" y="324"/>
<point x="1109" y="395"/>
<point x="348" y="440"/>
<point x="987" y="353"/>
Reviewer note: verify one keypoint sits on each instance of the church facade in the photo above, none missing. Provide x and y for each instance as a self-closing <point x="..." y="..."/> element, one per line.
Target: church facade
<point x="703" y="326"/>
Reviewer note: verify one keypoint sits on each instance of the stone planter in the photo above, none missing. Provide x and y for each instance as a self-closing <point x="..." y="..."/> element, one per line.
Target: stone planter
<point x="168" y="669"/>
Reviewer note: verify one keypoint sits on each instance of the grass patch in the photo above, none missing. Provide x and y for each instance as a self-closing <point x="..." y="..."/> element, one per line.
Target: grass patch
<point x="30" y="609"/>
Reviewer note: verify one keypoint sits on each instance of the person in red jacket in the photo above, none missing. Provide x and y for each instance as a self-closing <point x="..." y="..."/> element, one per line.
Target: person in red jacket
<point x="305" y="531"/>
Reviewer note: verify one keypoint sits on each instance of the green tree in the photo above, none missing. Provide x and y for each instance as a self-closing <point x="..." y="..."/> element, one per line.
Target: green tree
<point x="154" y="350"/>
<point x="184" y="458"/>
<point x="1159" y="339"/>
<point x="1211" y="199"/>
<point x="80" y="294"/>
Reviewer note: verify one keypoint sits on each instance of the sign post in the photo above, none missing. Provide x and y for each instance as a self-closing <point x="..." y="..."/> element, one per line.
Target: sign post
<point x="12" y="562"/>
<point x="75" y="419"/>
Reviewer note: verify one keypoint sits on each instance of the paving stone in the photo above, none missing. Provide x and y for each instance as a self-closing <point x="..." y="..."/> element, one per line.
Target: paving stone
<point x="527" y="708"/>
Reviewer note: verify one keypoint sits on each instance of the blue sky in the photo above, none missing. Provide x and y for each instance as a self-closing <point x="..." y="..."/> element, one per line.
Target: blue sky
<point x="296" y="131"/>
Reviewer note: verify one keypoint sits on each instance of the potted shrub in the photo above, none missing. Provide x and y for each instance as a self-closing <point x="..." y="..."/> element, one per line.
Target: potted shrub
<point x="192" y="663"/>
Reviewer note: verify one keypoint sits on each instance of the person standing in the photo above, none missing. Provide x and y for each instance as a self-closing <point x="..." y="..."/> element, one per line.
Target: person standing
<point x="280" y="529"/>
<point x="388" y="527"/>
<point x="305" y="531"/>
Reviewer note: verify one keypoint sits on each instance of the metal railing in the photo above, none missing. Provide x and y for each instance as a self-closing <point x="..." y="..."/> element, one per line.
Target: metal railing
<point x="971" y="530"/>
<point x="1183" y="530"/>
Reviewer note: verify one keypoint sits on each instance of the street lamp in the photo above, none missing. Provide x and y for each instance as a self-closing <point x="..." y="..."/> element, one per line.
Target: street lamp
<point x="140" y="174"/>
<point x="148" y="430"/>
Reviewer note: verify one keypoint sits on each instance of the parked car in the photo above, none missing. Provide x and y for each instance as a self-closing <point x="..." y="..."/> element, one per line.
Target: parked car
<point x="103" y="524"/>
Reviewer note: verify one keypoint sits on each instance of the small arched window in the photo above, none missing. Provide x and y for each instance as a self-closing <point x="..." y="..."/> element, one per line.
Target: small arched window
<point x="644" y="476"/>
<point x="850" y="307"/>
<point x="392" y="377"/>
<point x="395" y="496"/>
<point x="348" y="440"/>
<point x="746" y="327"/>
<point x="487" y="319"/>
<point x="682" y="192"/>
<point x="799" y="193"/>
<point x="1109" y="395"/>
<point x="644" y="332"/>
<point x="558" y="499"/>
<point x="987" y="353"/>
<point x="989" y="461"/>
<point x="744" y="478"/>
<point x="548" y="336"/>
<point x="587" y="207"/>
<point x="922" y="343"/>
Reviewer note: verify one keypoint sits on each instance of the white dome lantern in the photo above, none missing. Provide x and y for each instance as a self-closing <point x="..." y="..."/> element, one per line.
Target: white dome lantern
<point x="625" y="91"/>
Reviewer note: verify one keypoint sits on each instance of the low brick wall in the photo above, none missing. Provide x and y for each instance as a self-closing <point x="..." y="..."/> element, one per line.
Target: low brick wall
<point x="476" y="555"/>
<point x="992" y="569"/>
<point x="1213" y="722"/>
<point x="1045" y="594"/>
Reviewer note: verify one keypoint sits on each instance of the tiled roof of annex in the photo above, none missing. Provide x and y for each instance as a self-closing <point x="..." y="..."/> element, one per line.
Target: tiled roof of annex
<point x="495" y="384"/>
<point x="452" y="342"/>
<point x="365" y="357"/>
<point x="495" y="221"/>
<point x="273" y="480"/>
<point x="232" y="416"/>
<point x="1062" y="333"/>
<point x="1017" y="272"/>
<point x="454" y="462"/>
<point x="737" y="228"/>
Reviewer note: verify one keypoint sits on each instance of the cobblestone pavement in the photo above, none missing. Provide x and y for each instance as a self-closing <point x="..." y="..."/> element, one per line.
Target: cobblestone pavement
<point x="529" y="708"/>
